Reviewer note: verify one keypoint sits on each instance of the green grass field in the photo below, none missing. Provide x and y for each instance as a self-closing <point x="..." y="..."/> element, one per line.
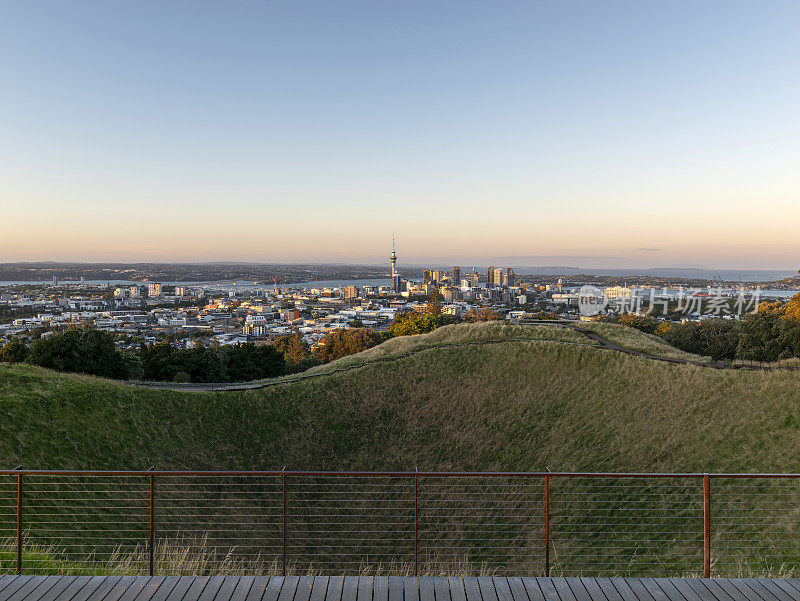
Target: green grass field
<point x="515" y="406"/>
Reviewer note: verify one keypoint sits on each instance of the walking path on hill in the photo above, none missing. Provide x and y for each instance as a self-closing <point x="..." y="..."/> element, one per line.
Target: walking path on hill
<point x="599" y="342"/>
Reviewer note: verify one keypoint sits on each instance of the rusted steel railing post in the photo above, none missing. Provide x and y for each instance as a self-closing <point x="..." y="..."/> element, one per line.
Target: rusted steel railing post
<point x="547" y="526"/>
<point x="151" y="537"/>
<point x="706" y="526"/>
<point x="283" y="531"/>
<point x="19" y="523"/>
<point x="416" y="525"/>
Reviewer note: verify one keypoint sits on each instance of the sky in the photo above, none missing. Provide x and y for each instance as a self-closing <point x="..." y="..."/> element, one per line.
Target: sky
<point x="594" y="134"/>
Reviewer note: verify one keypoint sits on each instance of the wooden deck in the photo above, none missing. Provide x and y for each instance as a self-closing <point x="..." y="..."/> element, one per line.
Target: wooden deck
<point x="390" y="588"/>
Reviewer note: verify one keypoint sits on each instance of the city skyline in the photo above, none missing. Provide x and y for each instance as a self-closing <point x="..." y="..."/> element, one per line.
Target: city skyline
<point x="593" y="136"/>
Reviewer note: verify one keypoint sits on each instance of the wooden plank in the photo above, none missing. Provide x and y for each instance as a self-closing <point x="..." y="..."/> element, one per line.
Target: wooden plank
<point x="684" y="589"/>
<point x="654" y="590"/>
<point x="149" y="589"/>
<point x="759" y="589"/>
<point x="471" y="589"/>
<point x="180" y="589"/>
<point x="700" y="589"/>
<point x="562" y="587"/>
<point x="548" y="589"/>
<point x="578" y="589"/>
<point x="319" y="588"/>
<point x="594" y="590"/>
<point x="411" y="588"/>
<point x="122" y="585"/>
<point x="131" y="592"/>
<point x="365" y="585"/>
<point x="63" y="584"/>
<point x="425" y="589"/>
<point x="672" y="593"/>
<point x="441" y="588"/>
<point x="5" y="580"/>
<point x="225" y="591"/>
<point x="90" y="588"/>
<point x="456" y="585"/>
<point x="532" y="589"/>
<point x="256" y="589"/>
<point x="733" y="592"/>
<point x="350" y="588"/>
<point x="638" y="588"/>
<point x="196" y="589"/>
<point x="14" y="586"/>
<point x="773" y="588"/>
<point x="335" y="586"/>
<point x="719" y="591"/>
<point x="288" y="588"/>
<point x="793" y="582"/>
<point x="304" y="587"/>
<point x="380" y="591"/>
<point x="242" y="588"/>
<point x="486" y="585"/>
<point x="395" y="588"/>
<point x="624" y="589"/>
<point x="273" y="589"/>
<point x="787" y="588"/>
<point x="609" y="590"/>
<point x="746" y="590"/>
<point x="517" y="589"/>
<point x="210" y="591"/>
<point x="105" y="590"/>
<point x="503" y="589"/>
<point x="35" y="587"/>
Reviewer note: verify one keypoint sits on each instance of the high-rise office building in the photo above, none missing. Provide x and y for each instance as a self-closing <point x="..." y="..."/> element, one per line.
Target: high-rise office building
<point x="490" y="277"/>
<point x="426" y="276"/>
<point x="437" y="276"/>
<point x="456" y="275"/>
<point x="511" y="278"/>
<point x="498" y="277"/>
<point x="154" y="289"/>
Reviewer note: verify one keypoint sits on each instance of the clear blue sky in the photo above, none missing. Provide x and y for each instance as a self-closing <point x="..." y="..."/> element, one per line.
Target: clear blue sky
<point x="583" y="133"/>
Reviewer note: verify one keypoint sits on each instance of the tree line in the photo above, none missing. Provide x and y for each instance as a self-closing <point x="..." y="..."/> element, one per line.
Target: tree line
<point x="770" y="334"/>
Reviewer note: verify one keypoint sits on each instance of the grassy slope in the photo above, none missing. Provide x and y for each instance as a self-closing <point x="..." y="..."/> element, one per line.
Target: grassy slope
<point x="455" y="335"/>
<point x="515" y="406"/>
<point x="639" y="341"/>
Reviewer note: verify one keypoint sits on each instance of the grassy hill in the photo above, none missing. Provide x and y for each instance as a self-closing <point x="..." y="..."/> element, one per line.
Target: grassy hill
<point x="510" y="406"/>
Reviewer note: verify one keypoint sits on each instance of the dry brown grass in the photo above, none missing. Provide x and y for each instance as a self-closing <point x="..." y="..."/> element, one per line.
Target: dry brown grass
<point x="639" y="341"/>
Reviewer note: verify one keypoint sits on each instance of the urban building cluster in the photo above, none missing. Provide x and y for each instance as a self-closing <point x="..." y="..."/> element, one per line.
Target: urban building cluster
<point x="212" y="314"/>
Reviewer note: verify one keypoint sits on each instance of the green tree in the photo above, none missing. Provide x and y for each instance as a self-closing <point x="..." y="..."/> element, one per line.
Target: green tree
<point x="409" y="323"/>
<point x="82" y="350"/>
<point x="295" y="350"/>
<point x="341" y="343"/>
<point x="435" y="304"/>
<point x="14" y="351"/>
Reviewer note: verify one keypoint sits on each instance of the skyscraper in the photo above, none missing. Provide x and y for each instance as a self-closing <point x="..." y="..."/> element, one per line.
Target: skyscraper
<point x="490" y="277"/>
<point x="511" y="277"/>
<point x="498" y="277"/>
<point x="395" y="275"/>
<point x="457" y="276"/>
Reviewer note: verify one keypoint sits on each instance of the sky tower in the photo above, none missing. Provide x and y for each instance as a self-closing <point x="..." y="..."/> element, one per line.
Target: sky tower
<point x="395" y="275"/>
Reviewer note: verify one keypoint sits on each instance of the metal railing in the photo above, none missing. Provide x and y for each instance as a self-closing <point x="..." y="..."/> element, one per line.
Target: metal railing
<point x="541" y="523"/>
